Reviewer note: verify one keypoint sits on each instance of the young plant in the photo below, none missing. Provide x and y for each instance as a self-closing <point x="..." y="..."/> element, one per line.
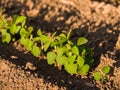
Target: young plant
<point x="75" y="58"/>
<point x="102" y="74"/>
<point x="72" y="56"/>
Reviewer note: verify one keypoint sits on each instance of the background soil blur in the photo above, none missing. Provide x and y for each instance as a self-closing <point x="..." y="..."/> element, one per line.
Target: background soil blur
<point x="97" y="20"/>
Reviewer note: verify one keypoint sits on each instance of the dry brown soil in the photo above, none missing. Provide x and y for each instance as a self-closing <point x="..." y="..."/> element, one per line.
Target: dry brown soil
<point x="99" y="22"/>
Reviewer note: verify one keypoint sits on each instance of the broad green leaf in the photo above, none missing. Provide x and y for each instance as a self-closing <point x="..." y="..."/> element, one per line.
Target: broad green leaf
<point x="39" y="33"/>
<point x="69" y="33"/>
<point x="61" y="60"/>
<point x="75" y="50"/>
<point x="81" y="41"/>
<point x="27" y="43"/>
<point x="80" y="61"/>
<point x="44" y="39"/>
<point x="97" y="76"/>
<point x="36" y="51"/>
<point x="19" y="19"/>
<point x="106" y="69"/>
<point x="84" y="70"/>
<point x="6" y="37"/>
<point x="71" y="59"/>
<point x="51" y="56"/>
<point x="71" y="68"/>
<point x="23" y="33"/>
<point x="46" y="46"/>
<point x="13" y="29"/>
<point x="60" y="51"/>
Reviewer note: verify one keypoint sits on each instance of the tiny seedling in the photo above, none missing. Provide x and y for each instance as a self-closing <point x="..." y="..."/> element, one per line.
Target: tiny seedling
<point x="102" y="75"/>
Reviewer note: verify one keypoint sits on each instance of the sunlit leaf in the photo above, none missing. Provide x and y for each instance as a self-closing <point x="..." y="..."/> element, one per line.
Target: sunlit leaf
<point x="97" y="76"/>
<point x="13" y="29"/>
<point x="80" y="61"/>
<point x="81" y="41"/>
<point x="36" y="51"/>
<point x="71" y="68"/>
<point x="51" y="56"/>
<point x="61" y="60"/>
<point x="106" y="69"/>
<point x="75" y="50"/>
<point x="84" y="70"/>
<point x="6" y="37"/>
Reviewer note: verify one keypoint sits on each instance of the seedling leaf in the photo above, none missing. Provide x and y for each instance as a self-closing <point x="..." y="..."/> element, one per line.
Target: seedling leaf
<point x="75" y="50"/>
<point x="84" y="70"/>
<point x="13" y="29"/>
<point x="6" y="37"/>
<point x="97" y="76"/>
<point x="80" y="61"/>
<point x="61" y="60"/>
<point x="106" y="69"/>
<point x="36" y="51"/>
<point x="51" y="56"/>
<point x="81" y="41"/>
<point x="71" y="68"/>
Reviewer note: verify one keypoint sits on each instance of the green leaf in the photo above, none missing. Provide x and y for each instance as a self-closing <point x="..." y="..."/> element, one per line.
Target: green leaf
<point x="6" y="37"/>
<point x="27" y="43"/>
<point x="62" y="35"/>
<point x="106" y="69"/>
<point x="36" y="51"/>
<point x="71" y="68"/>
<point x="13" y="29"/>
<point x="23" y="33"/>
<point x="84" y="70"/>
<point x="68" y="46"/>
<point x="75" y="50"/>
<point x="71" y="59"/>
<point x="97" y="76"/>
<point x="60" y="51"/>
<point x="69" y="33"/>
<point x="80" y="61"/>
<point x="19" y="19"/>
<point x="61" y="60"/>
<point x="18" y="29"/>
<point x="83" y="53"/>
<point x="44" y="39"/>
<point x="51" y="56"/>
<point x="36" y="39"/>
<point x="81" y="41"/>
<point x="46" y="46"/>
<point x="30" y="29"/>
<point x="39" y="33"/>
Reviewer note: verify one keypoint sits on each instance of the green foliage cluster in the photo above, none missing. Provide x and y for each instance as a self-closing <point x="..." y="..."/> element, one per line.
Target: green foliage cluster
<point x="74" y="57"/>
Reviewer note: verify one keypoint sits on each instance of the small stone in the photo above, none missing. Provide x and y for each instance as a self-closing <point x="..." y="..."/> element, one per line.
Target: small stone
<point x="30" y="66"/>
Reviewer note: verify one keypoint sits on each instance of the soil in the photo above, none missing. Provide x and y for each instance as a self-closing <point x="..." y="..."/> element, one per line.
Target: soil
<point x="98" y="21"/>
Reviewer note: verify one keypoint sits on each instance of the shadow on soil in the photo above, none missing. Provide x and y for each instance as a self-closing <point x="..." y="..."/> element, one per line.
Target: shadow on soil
<point x="100" y="41"/>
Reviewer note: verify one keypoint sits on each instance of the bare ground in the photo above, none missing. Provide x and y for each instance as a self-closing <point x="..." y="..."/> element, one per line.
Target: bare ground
<point x="99" y="22"/>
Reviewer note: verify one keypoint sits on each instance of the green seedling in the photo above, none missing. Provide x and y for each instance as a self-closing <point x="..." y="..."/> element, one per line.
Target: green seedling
<point x="102" y="75"/>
